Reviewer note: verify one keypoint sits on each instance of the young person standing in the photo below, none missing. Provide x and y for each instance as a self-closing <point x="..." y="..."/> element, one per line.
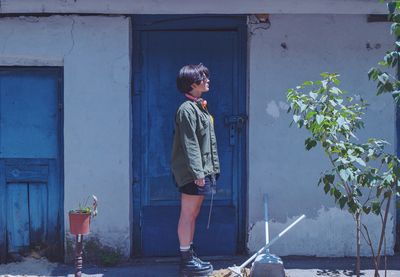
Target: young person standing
<point x="195" y="163"/>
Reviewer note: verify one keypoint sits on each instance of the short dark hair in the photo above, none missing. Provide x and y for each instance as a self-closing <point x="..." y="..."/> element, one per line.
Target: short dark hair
<point x="190" y="74"/>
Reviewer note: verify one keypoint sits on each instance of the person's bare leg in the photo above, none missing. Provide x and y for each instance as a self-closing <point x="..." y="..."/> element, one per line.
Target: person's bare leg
<point x="189" y="211"/>
<point x="190" y="264"/>
<point x="193" y="227"/>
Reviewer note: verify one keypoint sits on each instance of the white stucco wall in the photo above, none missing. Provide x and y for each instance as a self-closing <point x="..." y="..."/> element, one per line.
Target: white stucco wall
<point x="95" y="54"/>
<point x="278" y="162"/>
<point x="193" y="6"/>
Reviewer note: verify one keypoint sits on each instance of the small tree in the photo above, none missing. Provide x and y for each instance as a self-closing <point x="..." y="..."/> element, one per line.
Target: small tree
<point x="363" y="178"/>
<point x="385" y="75"/>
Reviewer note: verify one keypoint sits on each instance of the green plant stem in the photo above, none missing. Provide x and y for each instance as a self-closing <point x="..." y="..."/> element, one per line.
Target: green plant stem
<point x="346" y="187"/>
<point x="369" y="242"/>
<point x="383" y="228"/>
<point x="358" y="224"/>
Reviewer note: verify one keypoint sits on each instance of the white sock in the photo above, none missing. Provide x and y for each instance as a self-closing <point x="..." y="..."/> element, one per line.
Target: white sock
<point x="184" y="248"/>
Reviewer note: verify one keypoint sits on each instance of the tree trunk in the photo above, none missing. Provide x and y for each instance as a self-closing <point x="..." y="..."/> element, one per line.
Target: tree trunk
<point x="382" y="238"/>
<point x="358" y="223"/>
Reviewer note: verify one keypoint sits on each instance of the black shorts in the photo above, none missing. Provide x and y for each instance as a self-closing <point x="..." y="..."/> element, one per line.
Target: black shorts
<point x="209" y="187"/>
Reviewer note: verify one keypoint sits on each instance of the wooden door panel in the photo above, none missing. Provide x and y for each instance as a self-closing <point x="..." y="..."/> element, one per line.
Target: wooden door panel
<point x="159" y="54"/>
<point x="30" y="159"/>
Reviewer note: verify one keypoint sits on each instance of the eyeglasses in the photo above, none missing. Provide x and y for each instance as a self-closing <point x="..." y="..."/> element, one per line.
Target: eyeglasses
<point x="203" y="78"/>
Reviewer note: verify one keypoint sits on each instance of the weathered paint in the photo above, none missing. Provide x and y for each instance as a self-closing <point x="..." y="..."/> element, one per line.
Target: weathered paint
<point x="94" y="52"/>
<point x="282" y="57"/>
<point x="155" y="103"/>
<point x="331" y="233"/>
<point x="29" y="147"/>
<point x="194" y="7"/>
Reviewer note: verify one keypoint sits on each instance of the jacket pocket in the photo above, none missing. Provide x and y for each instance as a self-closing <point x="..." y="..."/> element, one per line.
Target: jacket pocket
<point x="207" y="164"/>
<point x="203" y="126"/>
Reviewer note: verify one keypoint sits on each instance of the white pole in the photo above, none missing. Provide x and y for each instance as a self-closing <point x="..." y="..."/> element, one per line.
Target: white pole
<point x="266" y="219"/>
<point x="272" y="241"/>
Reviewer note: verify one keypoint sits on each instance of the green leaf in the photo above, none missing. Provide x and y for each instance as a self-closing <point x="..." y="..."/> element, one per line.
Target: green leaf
<point x="310" y="114"/>
<point x="341" y="121"/>
<point x="296" y="118"/>
<point x="391" y="7"/>
<point x="344" y="174"/>
<point x="328" y="179"/>
<point x="302" y="106"/>
<point x="313" y="95"/>
<point x="395" y="29"/>
<point x="366" y="210"/>
<point x="327" y="187"/>
<point x="335" y="90"/>
<point x="389" y="179"/>
<point x="360" y="162"/>
<point x="319" y="118"/>
<point x="379" y="191"/>
<point x="352" y="206"/>
<point x="373" y="74"/>
<point x="376" y="207"/>
<point x="387" y="194"/>
<point x="383" y="78"/>
<point x="342" y="201"/>
<point x="337" y="194"/>
<point x="310" y="143"/>
<point x="300" y="123"/>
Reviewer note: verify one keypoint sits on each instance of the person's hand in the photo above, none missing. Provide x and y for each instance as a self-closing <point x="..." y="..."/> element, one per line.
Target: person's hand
<point x="200" y="182"/>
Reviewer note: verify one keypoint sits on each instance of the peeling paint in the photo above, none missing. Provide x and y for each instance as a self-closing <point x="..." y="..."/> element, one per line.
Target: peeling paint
<point x="283" y="105"/>
<point x="278" y="163"/>
<point x="332" y="233"/>
<point x="272" y="109"/>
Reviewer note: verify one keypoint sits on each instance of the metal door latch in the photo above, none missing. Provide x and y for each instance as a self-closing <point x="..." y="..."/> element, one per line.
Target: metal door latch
<point x="236" y="124"/>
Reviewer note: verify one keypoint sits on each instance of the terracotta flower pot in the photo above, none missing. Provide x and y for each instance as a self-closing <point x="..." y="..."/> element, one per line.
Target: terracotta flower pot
<point x="79" y="223"/>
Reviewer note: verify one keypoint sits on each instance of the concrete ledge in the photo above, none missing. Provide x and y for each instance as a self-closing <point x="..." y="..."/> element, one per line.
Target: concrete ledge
<point x="29" y="61"/>
<point x="194" y="7"/>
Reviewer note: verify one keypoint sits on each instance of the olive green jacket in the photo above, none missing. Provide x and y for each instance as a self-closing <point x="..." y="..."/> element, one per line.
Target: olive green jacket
<point x="194" y="149"/>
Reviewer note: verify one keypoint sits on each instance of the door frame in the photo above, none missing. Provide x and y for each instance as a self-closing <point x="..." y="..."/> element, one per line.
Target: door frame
<point x="237" y="23"/>
<point x="59" y="72"/>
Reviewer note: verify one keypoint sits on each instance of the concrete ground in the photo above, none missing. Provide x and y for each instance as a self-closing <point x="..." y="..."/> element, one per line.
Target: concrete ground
<point x="294" y="267"/>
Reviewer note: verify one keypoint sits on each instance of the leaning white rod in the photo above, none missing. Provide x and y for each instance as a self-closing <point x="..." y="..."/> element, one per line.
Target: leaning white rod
<point x="266" y="219"/>
<point x="272" y="241"/>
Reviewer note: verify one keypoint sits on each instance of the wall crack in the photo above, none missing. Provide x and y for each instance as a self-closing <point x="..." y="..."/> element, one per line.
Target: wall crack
<point x="72" y="36"/>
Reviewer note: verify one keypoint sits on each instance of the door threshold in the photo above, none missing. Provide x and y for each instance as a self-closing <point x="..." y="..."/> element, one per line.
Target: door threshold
<point x="176" y="259"/>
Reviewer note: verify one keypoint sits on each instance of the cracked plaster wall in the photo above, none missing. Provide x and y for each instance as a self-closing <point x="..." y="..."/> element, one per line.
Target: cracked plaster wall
<point x="95" y="55"/>
<point x="294" y="49"/>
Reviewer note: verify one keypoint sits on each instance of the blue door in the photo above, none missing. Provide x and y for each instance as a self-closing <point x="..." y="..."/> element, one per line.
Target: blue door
<point x="162" y="46"/>
<point x="30" y="179"/>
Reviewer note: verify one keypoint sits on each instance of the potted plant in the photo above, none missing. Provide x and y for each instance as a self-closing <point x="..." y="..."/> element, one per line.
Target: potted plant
<point x="79" y="219"/>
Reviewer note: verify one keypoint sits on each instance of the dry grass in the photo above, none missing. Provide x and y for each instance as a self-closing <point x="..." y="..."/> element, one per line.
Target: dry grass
<point x="227" y="273"/>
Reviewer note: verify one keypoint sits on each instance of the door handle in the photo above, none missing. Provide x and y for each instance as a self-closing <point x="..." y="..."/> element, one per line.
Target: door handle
<point x="235" y="123"/>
